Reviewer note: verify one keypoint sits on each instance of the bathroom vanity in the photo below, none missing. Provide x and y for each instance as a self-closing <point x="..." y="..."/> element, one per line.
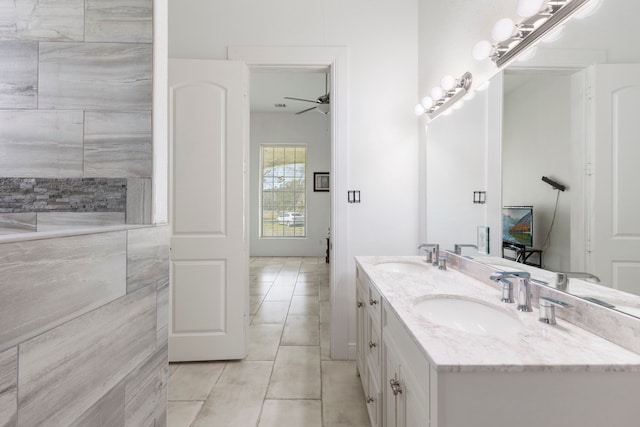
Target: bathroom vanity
<point x="438" y="348"/>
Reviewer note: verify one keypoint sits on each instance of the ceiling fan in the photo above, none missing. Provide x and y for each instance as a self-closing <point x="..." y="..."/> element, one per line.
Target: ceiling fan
<point x="322" y="101"/>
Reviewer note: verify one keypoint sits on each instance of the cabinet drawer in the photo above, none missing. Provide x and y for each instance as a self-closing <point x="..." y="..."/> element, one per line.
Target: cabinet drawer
<point x="374" y="345"/>
<point x="373" y="397"/>
<point x="374" y="304"/>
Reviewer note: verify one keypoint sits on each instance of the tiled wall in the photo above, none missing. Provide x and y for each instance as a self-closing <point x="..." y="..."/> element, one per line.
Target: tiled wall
<point x="83" y="319"/>
<point x="85" y="337"/>
<point x="76" y="90"/>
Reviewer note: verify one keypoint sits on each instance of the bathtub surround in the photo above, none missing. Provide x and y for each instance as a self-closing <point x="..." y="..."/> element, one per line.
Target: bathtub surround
<point x="84" y="314"/>
<point x="98" y="345"/>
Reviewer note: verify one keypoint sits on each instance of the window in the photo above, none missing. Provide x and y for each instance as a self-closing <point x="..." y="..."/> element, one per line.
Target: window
<point x="284" y="191"/>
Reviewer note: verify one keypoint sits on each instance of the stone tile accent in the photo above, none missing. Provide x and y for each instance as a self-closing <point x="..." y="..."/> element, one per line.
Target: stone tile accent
<point x="74" y="275"/>
<point x="18" y="74"/>
<point x="95" y="76"/>
<point x="41" y="143"/>
<point x="117" y="144"/>
<point x="62" y="195"/>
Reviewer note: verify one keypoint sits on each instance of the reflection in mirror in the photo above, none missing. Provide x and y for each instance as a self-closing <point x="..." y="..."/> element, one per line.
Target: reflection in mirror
<point x="573" y="122"/>
<point x="553" y="107"/>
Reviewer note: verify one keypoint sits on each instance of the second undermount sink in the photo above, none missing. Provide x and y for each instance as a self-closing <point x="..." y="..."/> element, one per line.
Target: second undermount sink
<point x="402" y="267"/>
<point x="467" y="315"/>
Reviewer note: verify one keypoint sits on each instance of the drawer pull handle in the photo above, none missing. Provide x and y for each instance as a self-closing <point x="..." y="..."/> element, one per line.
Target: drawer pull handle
<point x="373" y="301"/>
<point x="370" y="399"/>
<point x="372" y="344"/>
<point x="359" y="304"/>
<point x="396" y="388"/>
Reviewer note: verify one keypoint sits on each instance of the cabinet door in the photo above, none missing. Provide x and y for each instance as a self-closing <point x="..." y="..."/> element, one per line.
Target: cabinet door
<point x="393" y="404"/>
<point x="361" y="319"/>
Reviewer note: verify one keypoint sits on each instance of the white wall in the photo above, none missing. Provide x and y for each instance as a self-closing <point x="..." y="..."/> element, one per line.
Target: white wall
<point x="310" y="129"/>
<point x="382" y="42"/>
<point x="536" y="143"/>
<point x="455" y="168"/>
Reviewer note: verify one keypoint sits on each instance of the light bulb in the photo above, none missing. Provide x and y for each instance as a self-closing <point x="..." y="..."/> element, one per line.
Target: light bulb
<point x="588" y="10"/>
<point x="458" y="105"/>
<point x="482" y="50"/>
<point x="437" y="93"/>
<point x="503" y="29"/>
<point x="528" y="8"/>
<point x="447" y="112"/>
<point x="419" y="110"/>
<point x="448" y="83"/>
<point x="427" y="102"/>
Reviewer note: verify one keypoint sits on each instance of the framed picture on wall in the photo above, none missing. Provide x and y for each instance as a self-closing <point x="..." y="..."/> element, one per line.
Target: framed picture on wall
<point x="321" y="181"/>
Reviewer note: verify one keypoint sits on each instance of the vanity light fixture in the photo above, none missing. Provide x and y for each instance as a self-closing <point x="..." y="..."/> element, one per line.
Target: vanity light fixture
<point x="540" y="19"/>
<point x="451" y="91"/>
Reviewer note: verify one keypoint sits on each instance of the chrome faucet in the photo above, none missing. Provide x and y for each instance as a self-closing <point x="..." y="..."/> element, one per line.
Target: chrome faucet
<point x="524" y="287"/>
<point x="457" y="248"/>
<point x="563" y="278"/>
<point x="547" y="309"/>
<point x="432" y="255"/>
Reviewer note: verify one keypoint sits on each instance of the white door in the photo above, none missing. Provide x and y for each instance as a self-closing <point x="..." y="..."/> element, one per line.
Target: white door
<point x="615" y="220"/>
<point x="208" y="195"/>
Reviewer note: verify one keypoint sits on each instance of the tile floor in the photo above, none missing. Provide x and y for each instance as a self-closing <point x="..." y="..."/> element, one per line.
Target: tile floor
<point x="288" y="378"/>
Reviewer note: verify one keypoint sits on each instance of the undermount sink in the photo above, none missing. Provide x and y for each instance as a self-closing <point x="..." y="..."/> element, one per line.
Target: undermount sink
<point x="402" y="267"/>
<point x="467" y="315"/>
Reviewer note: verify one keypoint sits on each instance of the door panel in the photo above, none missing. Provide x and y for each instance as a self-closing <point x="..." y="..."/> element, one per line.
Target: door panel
<point x="615" y="229"/>
<point x="209" y="295"/>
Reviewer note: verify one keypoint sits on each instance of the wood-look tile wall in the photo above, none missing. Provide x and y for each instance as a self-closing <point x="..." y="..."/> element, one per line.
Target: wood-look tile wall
<point x="83" y="338"/>
<point x="76" y="89"/>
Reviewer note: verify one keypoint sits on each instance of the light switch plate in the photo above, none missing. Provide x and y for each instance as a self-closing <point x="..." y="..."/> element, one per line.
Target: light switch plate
<point x="483" y="240"/>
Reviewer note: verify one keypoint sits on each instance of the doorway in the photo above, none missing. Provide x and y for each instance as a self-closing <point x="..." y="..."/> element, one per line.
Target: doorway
<point x="333" y="59"/>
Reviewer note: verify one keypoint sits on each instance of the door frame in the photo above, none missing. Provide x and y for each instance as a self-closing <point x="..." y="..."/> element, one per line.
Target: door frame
<point x="578" y="61"/>
<point x="336" y="60"/>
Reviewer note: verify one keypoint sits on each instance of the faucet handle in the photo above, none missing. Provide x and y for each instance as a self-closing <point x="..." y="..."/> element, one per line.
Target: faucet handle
<point x="442" y="263"/>
<point x="507" y="291"/>
<point x="547" y="309"/>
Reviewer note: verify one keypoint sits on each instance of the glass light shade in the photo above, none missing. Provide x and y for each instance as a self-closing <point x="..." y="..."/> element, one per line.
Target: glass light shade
<point x="323" y="108"/>
<point x="503" y="29"/>
<point x="528" y="8"/>
<point x="448" y="83"/>
<point x="419" y="110"/>
<point x="427" y="102"/>
<point x="482" y="50"/>
<point x="437" y="93"/>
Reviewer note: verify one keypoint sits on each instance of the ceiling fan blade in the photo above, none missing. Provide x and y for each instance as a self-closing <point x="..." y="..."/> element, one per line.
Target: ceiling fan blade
<point x="300" y="99"/>
<point x="304" y="111"/>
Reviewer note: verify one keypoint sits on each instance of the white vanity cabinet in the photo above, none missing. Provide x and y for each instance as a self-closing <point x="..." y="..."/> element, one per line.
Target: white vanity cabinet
<point x="406" y="376"/>
<point x="394" y="375"/>
<point x="368" y="345"/>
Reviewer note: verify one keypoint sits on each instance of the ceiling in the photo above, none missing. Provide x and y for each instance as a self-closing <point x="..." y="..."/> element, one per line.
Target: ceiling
<point x="270" y="87"/>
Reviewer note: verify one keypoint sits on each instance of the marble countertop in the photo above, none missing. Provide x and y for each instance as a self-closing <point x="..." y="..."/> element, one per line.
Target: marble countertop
<point x="540" y="347"/>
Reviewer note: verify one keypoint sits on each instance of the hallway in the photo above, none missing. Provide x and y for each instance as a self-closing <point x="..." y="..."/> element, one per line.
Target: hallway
<point x="288" y="378"/>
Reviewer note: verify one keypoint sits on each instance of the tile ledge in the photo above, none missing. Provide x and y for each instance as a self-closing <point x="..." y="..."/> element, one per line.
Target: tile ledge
<point x="22" y="237"/>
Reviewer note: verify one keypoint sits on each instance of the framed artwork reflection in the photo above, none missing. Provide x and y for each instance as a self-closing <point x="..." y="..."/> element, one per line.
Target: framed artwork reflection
<point x="321" y="181"/>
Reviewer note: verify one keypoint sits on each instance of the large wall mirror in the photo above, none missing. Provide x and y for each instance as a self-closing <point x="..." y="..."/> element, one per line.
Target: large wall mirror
<point x="570" y="114"/>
